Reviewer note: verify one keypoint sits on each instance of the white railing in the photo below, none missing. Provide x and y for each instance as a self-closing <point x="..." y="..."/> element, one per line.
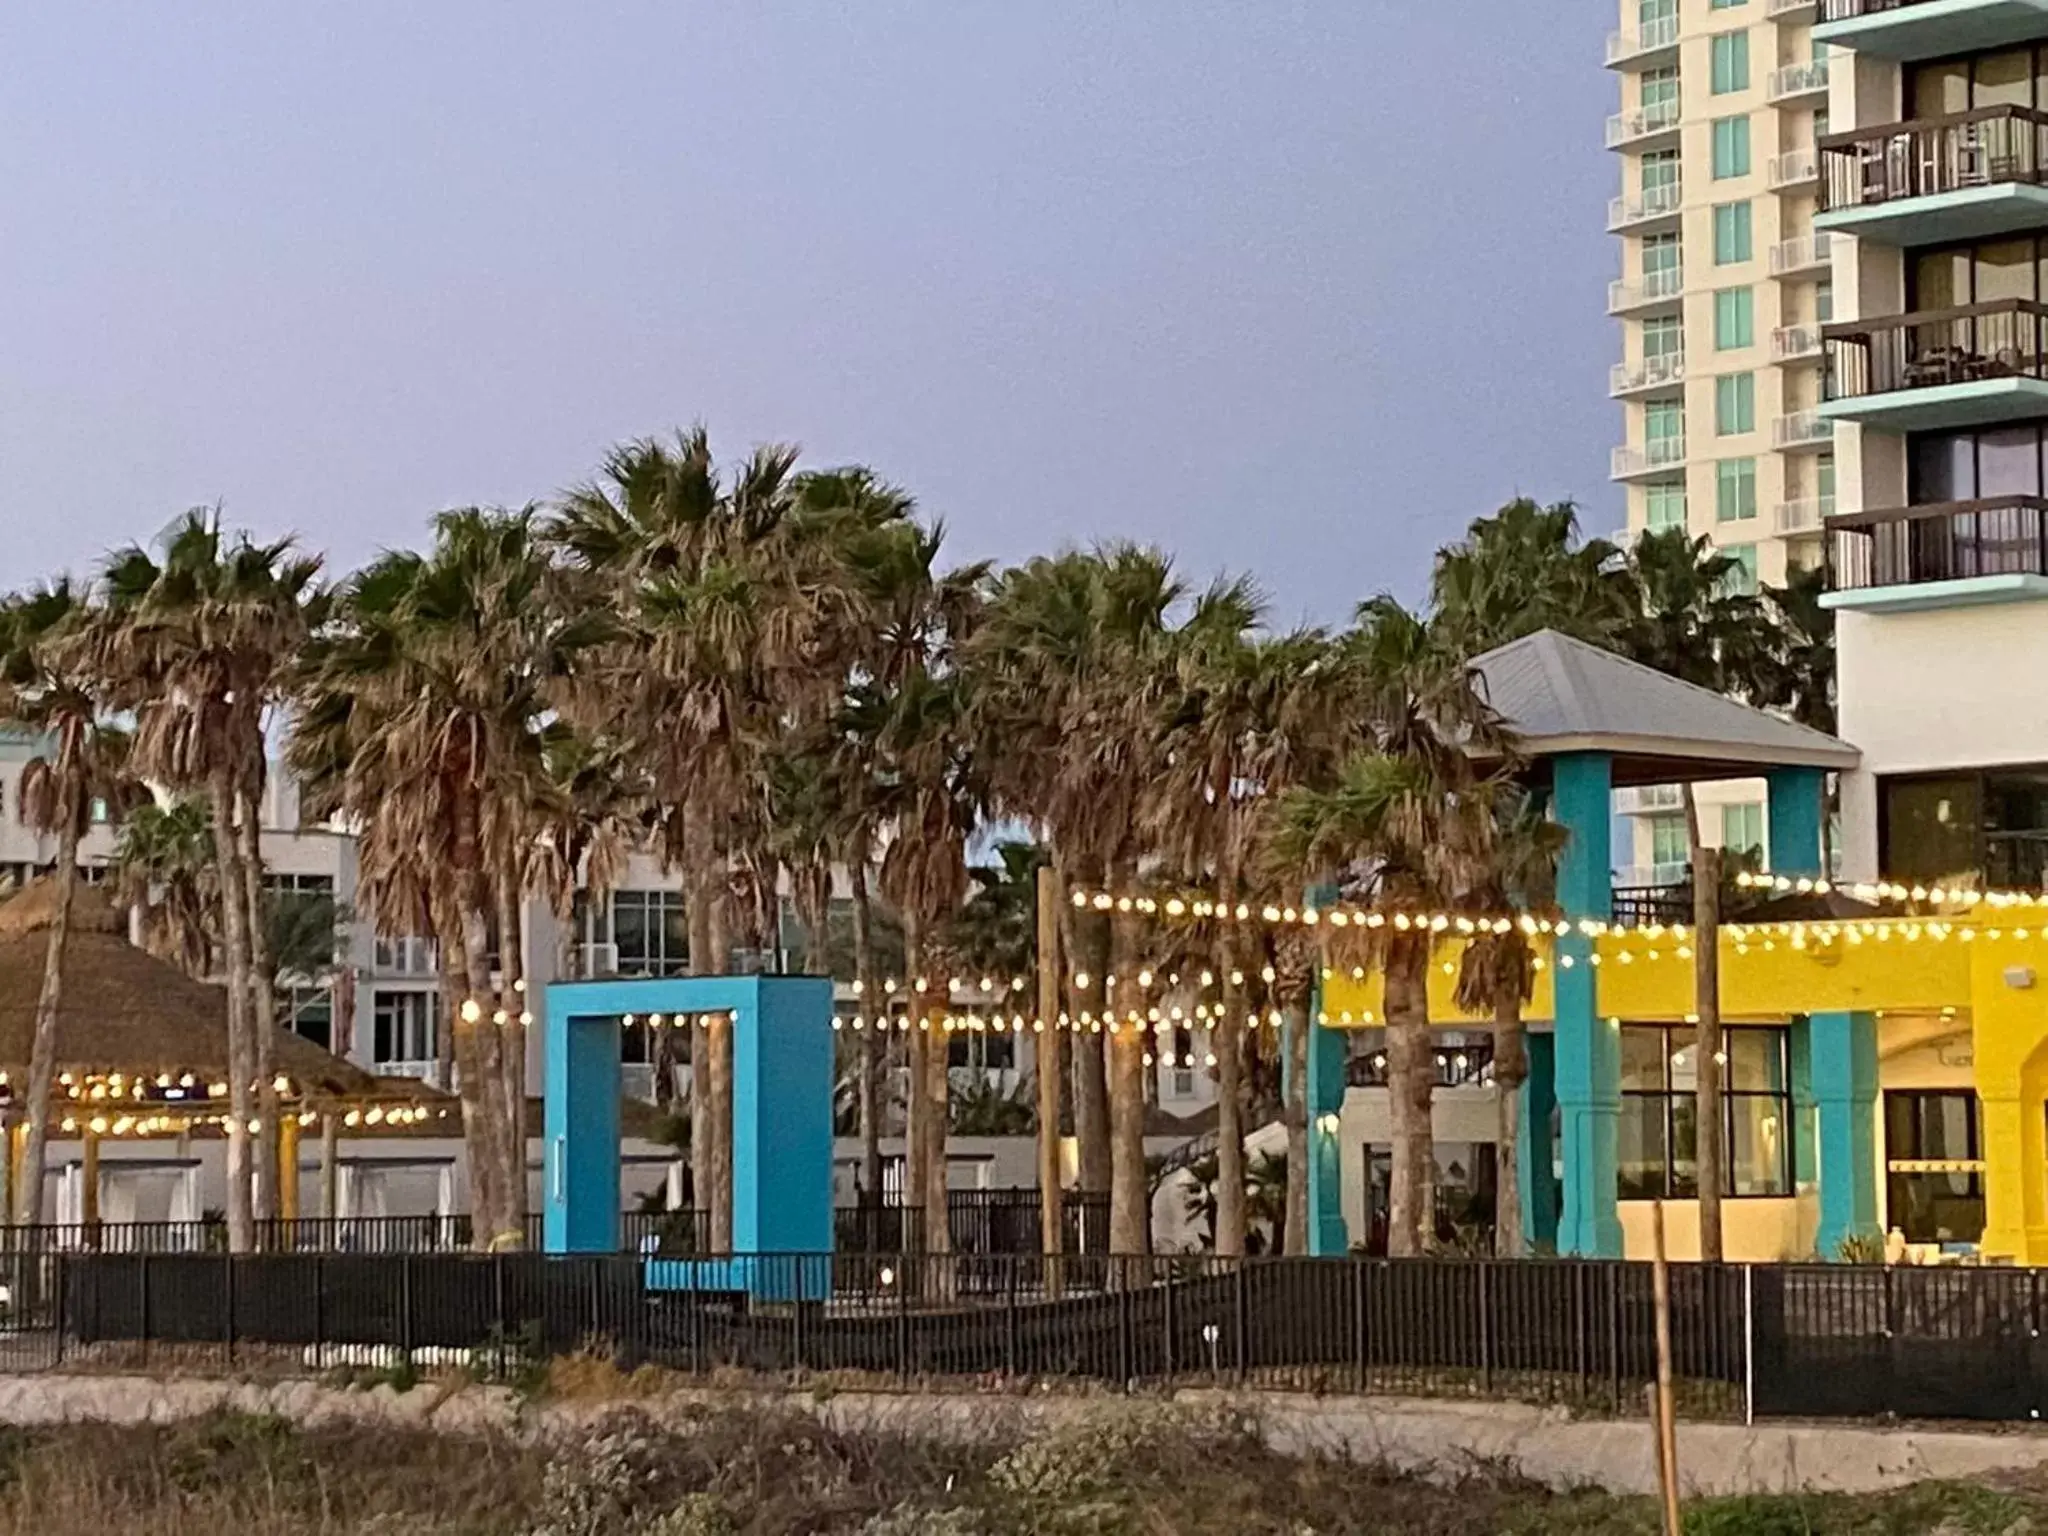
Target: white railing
<point x="1791" y="343"/>
<point x="1797" y="80"/>
<point x="1627" y="127"/>
<point x="1794" y="168"/>
<point x="404" y="957"/>
<point x="1651" y="373"/>
<point x="1650" y="799"/>
<point x="1808" y="514"/>
<point x="1658" y="453"/>
<point x="589" y="961"/>
<point x="1640" y="875"/>
<point x="1650" y="37"/>
<point x="1650" y="203"/>
<point x="1801" y="429"/>
<point x="1801" y="254"/>
<point x="1651" y="288"/>
<point x="420" y="1071"/>
<point x="1789" y="10"/>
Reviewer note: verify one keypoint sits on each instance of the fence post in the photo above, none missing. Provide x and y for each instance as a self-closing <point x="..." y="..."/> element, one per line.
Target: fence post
<point x="1585" y="1366"/>
<point x="319" y="1310"/>
<point x="1166" y="1298"/>
<point x="228" y="1305"/>
<point x="1614" y="1288"/>
<point x="142" y="1269"/>
<point x="1010" y="1320"/>
<point x="405" y="1306"/>
<point x="1125" y="1367"/>
<point x="1486" y="1327"/>
<point x="1749" y="1343"/>
<point x="1361" y="1324"/>
<point x="1242" y="1306"/>
<point x="903" y="1318"/>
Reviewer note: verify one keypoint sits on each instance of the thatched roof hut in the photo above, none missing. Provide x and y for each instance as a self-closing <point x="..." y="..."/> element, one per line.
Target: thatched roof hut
<point x="124" y="1011"/>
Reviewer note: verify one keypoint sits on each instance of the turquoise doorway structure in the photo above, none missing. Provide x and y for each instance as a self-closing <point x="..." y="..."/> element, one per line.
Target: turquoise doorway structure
<point x="782" y="1120"/>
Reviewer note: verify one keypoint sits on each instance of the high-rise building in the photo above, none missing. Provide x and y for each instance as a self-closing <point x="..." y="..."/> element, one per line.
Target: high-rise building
<point x="1725" y="284"/>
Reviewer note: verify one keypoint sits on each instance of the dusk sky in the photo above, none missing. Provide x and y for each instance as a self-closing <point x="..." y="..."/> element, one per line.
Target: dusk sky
<point x="1297" y="289"/>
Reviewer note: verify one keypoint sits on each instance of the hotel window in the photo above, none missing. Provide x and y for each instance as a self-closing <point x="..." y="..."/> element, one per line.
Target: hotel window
<point x="1735" y="490"/>
<point x="1658" y="1152"/>
<point x="1664" y="506"/>
<point x="1726" y="5"/>
<point x="1664" y="421"/>
<point x="1660" y="255"/>
<point x="652" y="933"/>
<point x="1734" y="404"/>
<point x="1824" y="479"/>
<point x="1993" y="825"/>
<point x="1934" y="1174"/>
<point x="1670" y="849"/>
<point x="1651" y="11"/>
<point x="1663" y="337"/>
<point x="308" y="1012"/>
<point x="1734" y="319"/>
<point x="404" y="1025"/>
<point x="1730" y="59"/>
<point x="1660" y="89"/>
<point x="1742" y="828"/>
<point x="1972" y="466"/>
<point x="1824" y="300"/>
<point x="1731" y="233"/>
<point x="2004" y="77"/>
<point x="1731" y="147"/>
<point x="1741" y="579"/>
<point x="1660" y="170"/>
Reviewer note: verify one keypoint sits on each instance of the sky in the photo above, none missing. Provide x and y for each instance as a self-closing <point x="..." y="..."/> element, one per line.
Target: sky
<point x="1289" y="289"/>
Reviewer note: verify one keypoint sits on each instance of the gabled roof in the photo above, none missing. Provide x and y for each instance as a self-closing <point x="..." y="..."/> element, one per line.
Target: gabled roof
<point x="1563" y="695"/>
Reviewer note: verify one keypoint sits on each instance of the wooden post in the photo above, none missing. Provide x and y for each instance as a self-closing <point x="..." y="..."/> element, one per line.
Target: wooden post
<point x="1664" y="1420"/>
<point x="1047" y="1045"/>
<point x="288" y="1171"/>
<point x="1706" y="970"/>
<point x="330" y="1169"/>
<point x="25" y="1206"/>
<point x="89" y="1186"/>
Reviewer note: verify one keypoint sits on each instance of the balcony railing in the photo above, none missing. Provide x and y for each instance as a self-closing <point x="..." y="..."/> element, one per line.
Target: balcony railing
<point x="1946" y="541"/>
<point x="1931" y="348"/>
<point x="1793" y="343"/>
<point x="1651" y="288"/>
<point x="1794" y="168"/>
<point x="1658" y="453"/>
<point x="1628" y="127"/>
<point x="1649" y="799"/>
<point x="1650" y="37"/>
<point x="1807" y="514"/>
<point x="1793" y="80"/>
<point x="1666" y="371"/>
<point x="1649" y="203"/>
<point x="1801" y="429"/>
<point x="1852" y="10"/>
<point x="1868" y="167"/>
<point x="1803" y="253"/>
<point x="1789" y="10"/>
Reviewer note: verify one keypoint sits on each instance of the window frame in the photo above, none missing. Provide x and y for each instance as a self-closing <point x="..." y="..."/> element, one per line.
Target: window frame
<point x="1788" y="1162"/>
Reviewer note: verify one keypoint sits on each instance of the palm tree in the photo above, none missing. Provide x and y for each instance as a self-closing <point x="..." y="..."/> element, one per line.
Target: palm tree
<point x="79" y="760"/>
<point x="422" y="714"/>
<point x="195" y="645"/>
<point x="1403" y="821"/>
<point x="1522" y="570"/>
<point x="164" y="869"/>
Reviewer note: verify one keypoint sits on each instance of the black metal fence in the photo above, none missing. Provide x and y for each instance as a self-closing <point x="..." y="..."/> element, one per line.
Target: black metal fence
<point x="1569" y="1331"/>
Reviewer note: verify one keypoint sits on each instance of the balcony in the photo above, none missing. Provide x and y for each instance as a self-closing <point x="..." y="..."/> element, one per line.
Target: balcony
<point x="1925" y="29"/>
<point x="1942" y="555"/>
<point x="1652" y="127"/>
<point x="1795" y="343"/>
<point x="1791" y="10"/>
<point x="1980" y="364"/>
<point x="1794" y="169"/>
<point x="1795" y="81"/>
<point x="1657" y="459"/>
<point x="1650" y="800"/>
<point x="1650" y="46"/>
<point x="1802" y="256"/>
<point x="1807" y="515"/>
<point x="1653" y="291"/>
<point x="1650" y="211"/>
<point x="1939" y="179"/>
<point x="1802" y="432"/>
<point x="1652" y="377"/>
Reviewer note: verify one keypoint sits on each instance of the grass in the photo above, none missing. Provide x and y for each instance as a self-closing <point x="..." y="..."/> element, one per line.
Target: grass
<point x="1129" y="1470"/>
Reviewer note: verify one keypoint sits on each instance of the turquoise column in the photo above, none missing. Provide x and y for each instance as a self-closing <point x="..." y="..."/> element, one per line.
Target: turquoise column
<point x="782" y="1117"/>
<point x="1795" y="803"/>
<point x="580" y="1119"/>
<point x="1588" y="1050"/>
<point x="1844" y="1073"/>
<point x="1328" y="1052"/>
<point x="1805" y="1118"/>
<point x="1536" y="1167"/>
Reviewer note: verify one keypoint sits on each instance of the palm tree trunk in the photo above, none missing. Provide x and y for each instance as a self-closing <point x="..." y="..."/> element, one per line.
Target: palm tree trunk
<point x="1706" y="897"/>
<point x="1130" y="1212"/>
<point x="1510" y="1071"/>
<point x="1227" y="1040"/>
<point x="459" y="929"/>
<point x="718" y="1042"/>
<point x="873" y="1041"/>
<point x="1046" y="1050"/>
<point x="703" y="1124"/>
<point x="42" y="1067"/>
<point x="938" y="1090"/>
<point x="1088" y="934"/>
<point x="262" y="999"/>
<point x="1295" y="1027"/>
<point x="1410" y="1085"/>
<point x="241" y="1053"/>
<point x="917" y="1102"/>
<point x="512" y="1052"/>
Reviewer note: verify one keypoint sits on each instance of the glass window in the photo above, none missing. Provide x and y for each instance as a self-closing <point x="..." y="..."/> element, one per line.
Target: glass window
<point x="1735" y="404"/>
<point x="1742" y="828"/>
<point x="2003" y="79"/>
<point x="1933" y="1204"/>
<point x="1931" y="829"/>
<point x="309" y="1013"/>
<point x="2009" y="462"/>
<point x="1648" y="11"/>
<point x="1730" y="58"/>
<point x="1824" y="300"/>
<point x="2003" y="269"/>
<point x="1659" y="89"/>
<point x="1966" y="466"/>
<point x="1741" y="578"/>
<point x="1660" y="254"/>
<point x="1660" y="169"/>
<point x="1731" y="233"/>
<point x="1664" y="506"/>
<point x="1734" y="319"/>
<point x="1669" y="843"/>
<point x="1941" y="89"/>
<point x="1731" y="147"/>
<point x="405" y="1025"/>
<point x="1658" y="1150"/>
<point x="1824" y="475"/>
<point x="1664" y="421"/>
<point x="1735" y="490"/>
<point x="1663" y="336"/>
<point x="651" y="930"/>
<point x="1726" y="5"/>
